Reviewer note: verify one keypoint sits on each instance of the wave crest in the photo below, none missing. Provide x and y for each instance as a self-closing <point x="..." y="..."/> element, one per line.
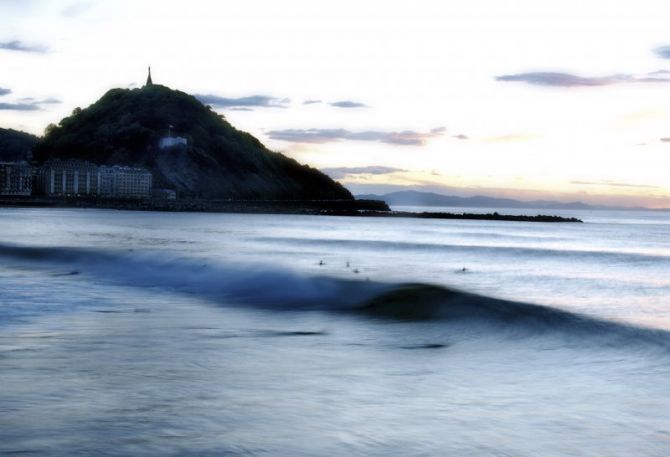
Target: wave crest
<point x="281" y="289"/>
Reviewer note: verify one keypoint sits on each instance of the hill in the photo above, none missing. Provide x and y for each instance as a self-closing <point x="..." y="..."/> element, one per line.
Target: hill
<point x="418" y="198"/>
<point x="16" y="145"/>
<point x="126" y="125"/>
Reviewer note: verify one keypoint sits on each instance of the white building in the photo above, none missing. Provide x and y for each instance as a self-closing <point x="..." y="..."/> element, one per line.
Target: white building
<point x="171" y="141"/>
<point x="69" y="178"/>
<point x="125" y="182"/>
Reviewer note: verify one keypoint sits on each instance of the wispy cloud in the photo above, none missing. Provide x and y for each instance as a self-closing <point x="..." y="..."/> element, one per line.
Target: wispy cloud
<point x="348" y="104"/>
<point x="556" y="79"/>
<point x="662" y="51"/>
<point x="18" y="107"/>
<point x="26" y="103"/>
<point x="460" y="136"/>
<point x="337" y="104"/>
<point x="49" y="101"/>
<point x="342" y="172"/>
<point x="45" y="101"/>
<point x="20" y="46"/>
<point x="400" y="138"/>
<point x="613" y="184"/>
<point x="252" y="101"/>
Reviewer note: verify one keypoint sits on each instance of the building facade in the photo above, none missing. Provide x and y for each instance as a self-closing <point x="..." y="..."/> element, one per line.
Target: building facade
<point x="125" y="182"/>
<point x="15" y="179"/>
<point x="69" y="178"/>
<point x="75" y="178"/>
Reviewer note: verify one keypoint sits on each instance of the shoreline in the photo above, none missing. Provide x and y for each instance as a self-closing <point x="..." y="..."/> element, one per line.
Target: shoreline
<point x="461" y="216"/>
<point x="348" y="208"/>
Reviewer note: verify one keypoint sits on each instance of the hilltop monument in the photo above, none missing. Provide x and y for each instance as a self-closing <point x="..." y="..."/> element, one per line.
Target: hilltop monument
<point x="149" y="81"/>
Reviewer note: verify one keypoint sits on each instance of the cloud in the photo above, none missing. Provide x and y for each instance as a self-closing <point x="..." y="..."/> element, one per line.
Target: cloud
<point x="555" y="79"/>
<point x="252" y="101"/>
<point x="49" y="101"/>
<point x="665" y="140"/>
<point x="552" y="79"/>
<point x="4" y="91"/>
<point x="26" y="103"/>
<point x="18" y="107"/>
<point x="348" y="104"/>
<point x="337" y="104"/>
<point x="460" y="136"/>
<point x="401" y="138"/>
<point x="20" y="46"/>
<point x="613" y="184"/>
<point x="662" y="51"/>
<point x="342" y="172"/>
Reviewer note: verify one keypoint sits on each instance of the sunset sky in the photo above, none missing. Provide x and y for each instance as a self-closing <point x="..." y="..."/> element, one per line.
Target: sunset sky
<point x="528" y="99"/>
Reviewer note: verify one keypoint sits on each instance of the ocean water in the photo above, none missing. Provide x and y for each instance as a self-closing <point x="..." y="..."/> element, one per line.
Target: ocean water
<point x="177" y="334"/>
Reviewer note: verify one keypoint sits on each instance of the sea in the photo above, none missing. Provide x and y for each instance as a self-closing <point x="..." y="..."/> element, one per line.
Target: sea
<point x="129" y="333"/>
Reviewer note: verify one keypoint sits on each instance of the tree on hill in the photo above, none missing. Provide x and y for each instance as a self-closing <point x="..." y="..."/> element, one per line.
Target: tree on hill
<point x="125" y="127"/>
<point x="16" y="145"/>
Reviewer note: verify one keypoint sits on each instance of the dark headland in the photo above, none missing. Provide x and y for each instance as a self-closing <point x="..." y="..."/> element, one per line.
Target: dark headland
<point x="195" y="154"/>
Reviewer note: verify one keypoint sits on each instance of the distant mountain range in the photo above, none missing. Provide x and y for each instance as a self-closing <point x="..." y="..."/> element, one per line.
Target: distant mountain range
<point x="418" y="198"/>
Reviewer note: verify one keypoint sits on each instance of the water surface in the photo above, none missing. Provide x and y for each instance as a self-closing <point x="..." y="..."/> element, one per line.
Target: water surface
<point x="140" y="333"/>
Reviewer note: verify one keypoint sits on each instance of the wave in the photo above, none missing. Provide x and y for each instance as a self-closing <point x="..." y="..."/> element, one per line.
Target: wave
<point x="250" y="284"/>
<point x="429" y="302"/>
<point x="281" y="289"/>
<point x="490" y="250"/>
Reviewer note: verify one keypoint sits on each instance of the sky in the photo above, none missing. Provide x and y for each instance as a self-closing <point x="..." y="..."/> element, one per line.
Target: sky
<point x="525" y="99"/>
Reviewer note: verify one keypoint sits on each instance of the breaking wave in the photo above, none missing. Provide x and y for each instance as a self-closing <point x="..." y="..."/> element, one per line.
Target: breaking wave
<point x="274" y="288"/>
<point x="488" y="250"/>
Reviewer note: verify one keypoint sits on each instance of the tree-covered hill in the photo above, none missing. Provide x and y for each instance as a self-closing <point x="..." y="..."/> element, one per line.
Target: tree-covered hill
<point x="125" y="127"/>
<point x="16" y="145"/>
